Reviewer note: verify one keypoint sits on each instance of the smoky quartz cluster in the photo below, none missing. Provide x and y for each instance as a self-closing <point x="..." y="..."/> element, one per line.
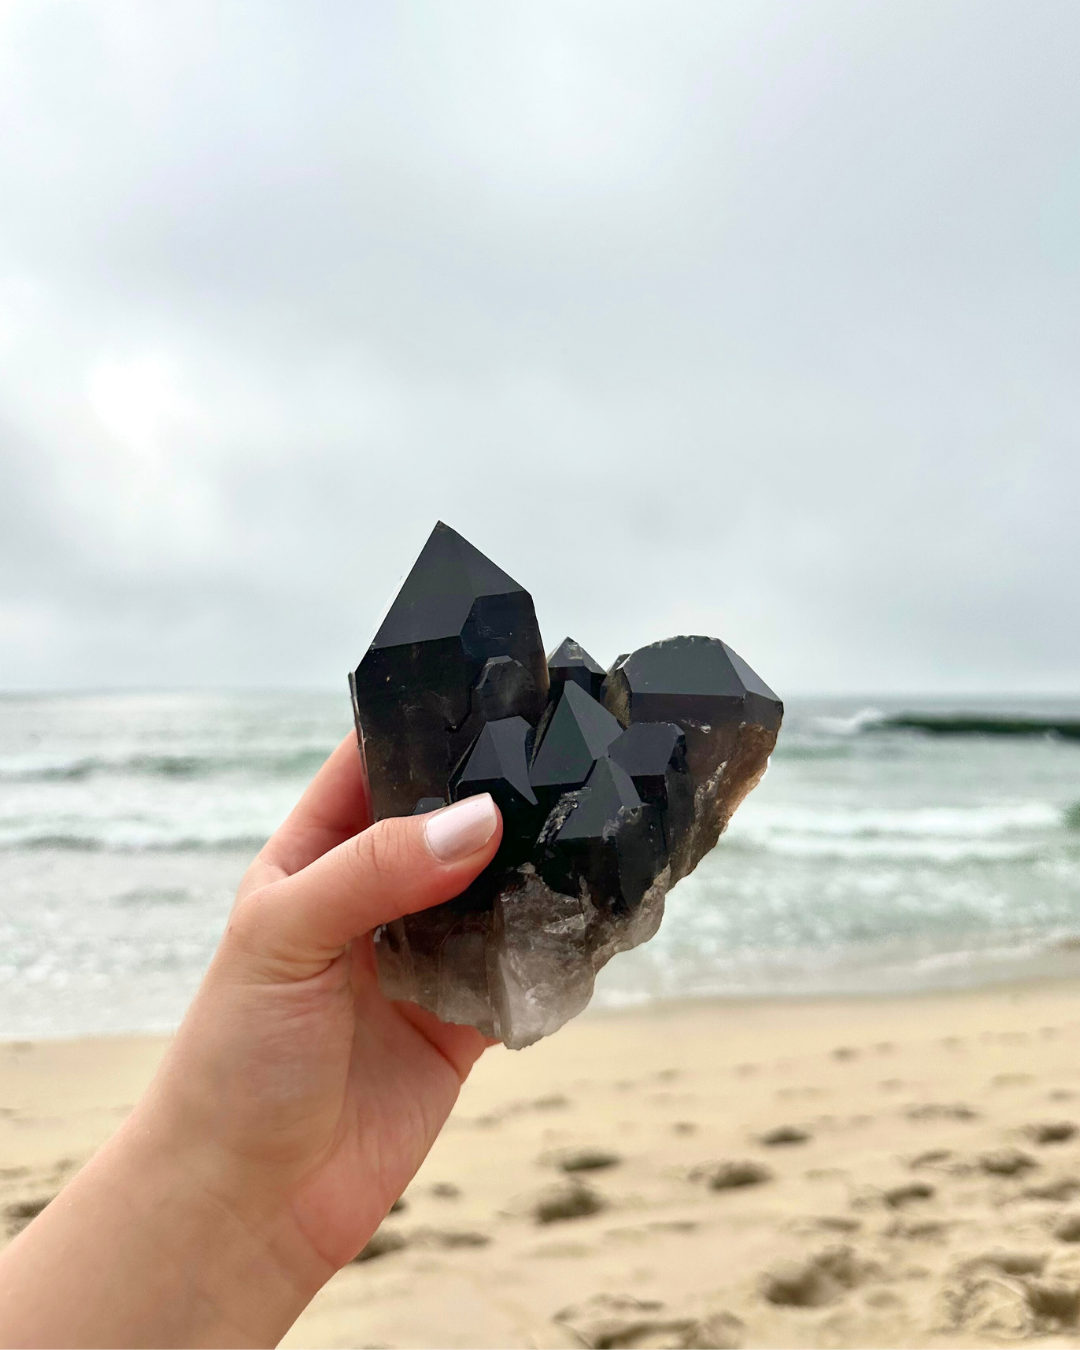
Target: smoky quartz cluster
<point x="612" y="785"/>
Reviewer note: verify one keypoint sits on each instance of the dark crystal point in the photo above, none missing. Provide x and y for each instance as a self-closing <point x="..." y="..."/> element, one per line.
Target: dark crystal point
<point x="610" y="845"/>
<point x="698" y="682"/>
<point x="499" y="757"/>
<point x="416" y="686"/>
<point x="578" y="732"/>
<point x="610" y="788"/>
<point x="570" y="661"/>
<point x="654" y="755"/>
<point x="499" y="763"/>
<point x="501" y="688"/>
<point x="727" y="713"/>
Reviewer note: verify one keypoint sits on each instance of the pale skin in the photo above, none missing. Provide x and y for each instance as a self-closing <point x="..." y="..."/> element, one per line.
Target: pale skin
<point x="293" y="1106"/>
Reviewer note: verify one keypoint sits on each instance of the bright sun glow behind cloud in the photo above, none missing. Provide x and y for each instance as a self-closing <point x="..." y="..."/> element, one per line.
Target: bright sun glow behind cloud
<point x="754" y="318"/>
<point x="139" y="403"/>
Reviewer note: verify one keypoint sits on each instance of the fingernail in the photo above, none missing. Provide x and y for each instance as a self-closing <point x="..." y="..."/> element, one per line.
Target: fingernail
<point x="460" y="829"/>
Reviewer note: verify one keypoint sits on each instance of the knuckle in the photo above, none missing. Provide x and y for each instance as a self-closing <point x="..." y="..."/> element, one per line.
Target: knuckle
<point x="245" y="928"/>
<point x="382" y="852"/>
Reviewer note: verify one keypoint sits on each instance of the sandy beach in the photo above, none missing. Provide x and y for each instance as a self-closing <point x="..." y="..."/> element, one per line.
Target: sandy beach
<point x="850" y="1172"/>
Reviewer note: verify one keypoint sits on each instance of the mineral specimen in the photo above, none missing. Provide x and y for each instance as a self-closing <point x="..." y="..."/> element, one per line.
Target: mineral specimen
<point x="611" y="786"/>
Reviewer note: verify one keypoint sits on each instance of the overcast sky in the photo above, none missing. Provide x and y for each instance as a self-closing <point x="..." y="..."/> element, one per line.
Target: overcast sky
<point x="752" y="319"/>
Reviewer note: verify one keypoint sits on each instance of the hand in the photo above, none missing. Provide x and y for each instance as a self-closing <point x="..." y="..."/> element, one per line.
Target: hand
<point x="292" y="1109"/>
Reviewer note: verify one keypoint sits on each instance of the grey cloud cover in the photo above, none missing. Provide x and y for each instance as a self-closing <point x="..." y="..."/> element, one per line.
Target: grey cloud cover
<point x="757" y="319"/>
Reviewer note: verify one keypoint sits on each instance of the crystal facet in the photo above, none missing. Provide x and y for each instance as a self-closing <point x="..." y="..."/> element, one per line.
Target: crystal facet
<point x="570" y="661"/>
<point x="611" y="786"/>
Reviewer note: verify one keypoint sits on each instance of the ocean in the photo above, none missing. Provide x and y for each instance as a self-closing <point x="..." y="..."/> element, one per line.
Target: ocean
<point x="869" y="859"/>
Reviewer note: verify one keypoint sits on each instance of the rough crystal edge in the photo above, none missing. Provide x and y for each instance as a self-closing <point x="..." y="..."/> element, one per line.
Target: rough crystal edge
<point x="536" y="980"/>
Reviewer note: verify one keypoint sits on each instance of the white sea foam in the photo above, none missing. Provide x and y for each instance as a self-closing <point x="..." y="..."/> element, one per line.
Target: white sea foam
<point x="763" y="820"/>
<point x="865" y="860"/>
<point x="849" y="725"/>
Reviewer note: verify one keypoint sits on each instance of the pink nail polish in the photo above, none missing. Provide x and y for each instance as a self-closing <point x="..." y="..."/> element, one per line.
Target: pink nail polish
<point x="456" y="831"/>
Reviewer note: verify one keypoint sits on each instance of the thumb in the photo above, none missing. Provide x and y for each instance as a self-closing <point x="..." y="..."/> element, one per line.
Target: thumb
<point x="295" y="927"/>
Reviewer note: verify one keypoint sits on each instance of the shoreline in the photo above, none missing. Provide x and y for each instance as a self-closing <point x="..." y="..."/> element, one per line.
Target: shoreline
<point x="1058" y="964"/>
<point x="890" y="1155"/>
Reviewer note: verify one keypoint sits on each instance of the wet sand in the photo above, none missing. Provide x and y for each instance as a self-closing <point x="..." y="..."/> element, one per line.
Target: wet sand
<point x="883" y="1172"/>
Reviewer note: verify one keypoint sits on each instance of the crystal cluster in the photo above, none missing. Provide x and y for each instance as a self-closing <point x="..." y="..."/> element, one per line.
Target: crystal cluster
<point x="612" y="785"/>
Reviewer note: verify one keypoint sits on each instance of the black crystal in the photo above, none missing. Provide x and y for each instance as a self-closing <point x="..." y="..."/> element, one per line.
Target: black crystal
<point x="421" y="691"/>
<point x="610" y="845"/>
<point x="570" y="661"/>
<point x="498" y="763"/>
<point x="611" y="785"/>
<point x="654" y="755"/>
<point x="574" y="736"/>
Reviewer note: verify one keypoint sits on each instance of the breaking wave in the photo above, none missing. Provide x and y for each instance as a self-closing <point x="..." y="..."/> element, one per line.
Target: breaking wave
<point x="271" y="763"/>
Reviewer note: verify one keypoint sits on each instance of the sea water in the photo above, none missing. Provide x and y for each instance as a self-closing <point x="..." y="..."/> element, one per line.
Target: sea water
<point x="869" y="859"/>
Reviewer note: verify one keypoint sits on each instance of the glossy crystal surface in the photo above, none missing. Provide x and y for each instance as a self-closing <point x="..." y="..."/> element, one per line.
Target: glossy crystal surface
<point x="612" y="785"/>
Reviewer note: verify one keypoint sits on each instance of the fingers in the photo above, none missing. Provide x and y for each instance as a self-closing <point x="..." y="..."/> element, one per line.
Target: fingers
<point x="460" y="1046"/>
<point x="298" y="925"/>
<point x="336" y="805"/>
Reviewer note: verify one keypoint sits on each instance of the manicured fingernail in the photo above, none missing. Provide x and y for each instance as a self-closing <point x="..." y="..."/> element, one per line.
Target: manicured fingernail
<point x="460" y="829"/>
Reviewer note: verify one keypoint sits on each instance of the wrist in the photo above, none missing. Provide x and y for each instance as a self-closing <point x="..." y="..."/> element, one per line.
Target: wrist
<point x="151" y="1251"/>
<point x="228" y="1250"/>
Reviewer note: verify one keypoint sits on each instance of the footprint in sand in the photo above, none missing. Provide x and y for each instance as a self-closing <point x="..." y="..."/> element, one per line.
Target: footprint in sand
<point x="784" y="1134"/>
<point x="1006" y="1162"/>
<point x="683" y="1127"/>
<point x="978" y="1300"/>
<point x="1063" y="1188"/>
<point x="554" y="1101"/>
<point x="587" y="1160"/>
<point x="621" y="1322"/>
<point x="729" y="1176"/>
<point x="450" y="1239"/>
<point x="941" y="1111"/>
<point x="1051" y="1131"/>
<point x="1068" y="1228"/>
<point x="896" y="1197"/>
<point x="573" y="1200"/>
<point x="843" y="1052"/>
<point x="381" y="1243"/>
<point x="446" y="1190"/>
<point x="386" y="1240"/>
<point x="821" y="1279"/>
<point x="923" y="1230"/>
<point x="20" y="1213"/>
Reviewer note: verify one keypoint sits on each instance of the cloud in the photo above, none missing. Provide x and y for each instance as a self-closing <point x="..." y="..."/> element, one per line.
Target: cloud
<point x="757" y="319"/>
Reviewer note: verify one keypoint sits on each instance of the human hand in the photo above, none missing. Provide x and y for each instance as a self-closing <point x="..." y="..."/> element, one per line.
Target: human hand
<point x="294" y="1105"/>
